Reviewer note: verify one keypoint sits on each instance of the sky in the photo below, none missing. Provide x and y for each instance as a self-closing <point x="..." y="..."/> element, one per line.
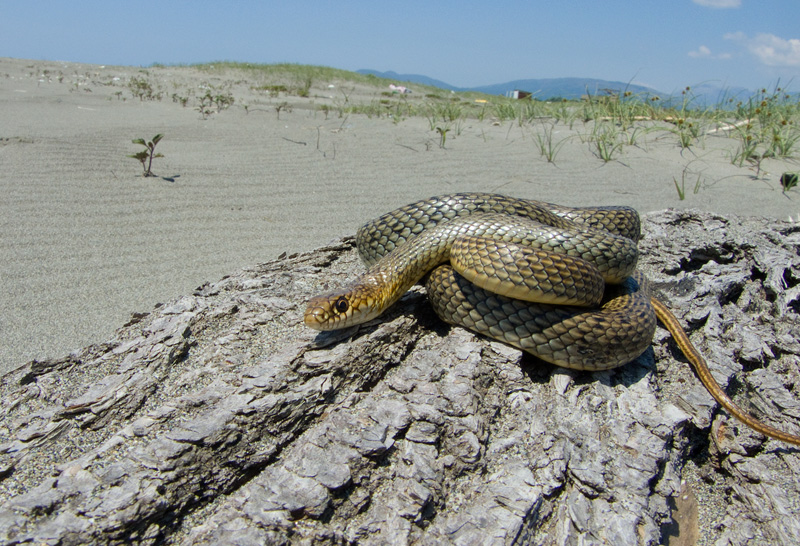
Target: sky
<point x="663" y="44"/>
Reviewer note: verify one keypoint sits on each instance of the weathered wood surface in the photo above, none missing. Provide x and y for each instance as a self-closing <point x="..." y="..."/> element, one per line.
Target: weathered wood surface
<point x="218" y="418"/>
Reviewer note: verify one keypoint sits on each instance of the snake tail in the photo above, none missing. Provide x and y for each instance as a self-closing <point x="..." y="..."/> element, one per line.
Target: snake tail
<point x="704" y="373"/>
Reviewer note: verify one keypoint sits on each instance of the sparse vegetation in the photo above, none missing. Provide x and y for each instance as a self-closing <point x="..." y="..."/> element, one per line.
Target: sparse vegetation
<point x="681" y="187"/>
<point x="141" y="88"/>
<point x="759" y="135"/>
<point x="547" y="146"/>
<point x="505" y="111"/>
<point x="219" y="100"/>
<point x="274" y="91"/>
<point x="766" y="128"/>
<point x="605" y="141"/>
<point x="755" y="133"/>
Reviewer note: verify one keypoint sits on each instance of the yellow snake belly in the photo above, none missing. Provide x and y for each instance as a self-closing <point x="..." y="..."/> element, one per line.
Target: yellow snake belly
<point x="568" y="249"/>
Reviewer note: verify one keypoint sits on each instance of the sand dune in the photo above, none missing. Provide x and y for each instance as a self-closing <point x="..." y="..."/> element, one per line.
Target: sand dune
<point x="86" y="240"/>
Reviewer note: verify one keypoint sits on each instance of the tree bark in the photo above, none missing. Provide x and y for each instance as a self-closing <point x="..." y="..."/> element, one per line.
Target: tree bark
<point x="218" y="418"/>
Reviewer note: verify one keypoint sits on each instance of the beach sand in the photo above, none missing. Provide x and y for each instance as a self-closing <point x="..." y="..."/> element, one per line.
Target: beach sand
<point x="86" y="240"/>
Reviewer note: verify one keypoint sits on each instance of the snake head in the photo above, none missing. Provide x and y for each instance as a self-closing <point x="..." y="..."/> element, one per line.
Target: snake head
<point x="339" y="310"/>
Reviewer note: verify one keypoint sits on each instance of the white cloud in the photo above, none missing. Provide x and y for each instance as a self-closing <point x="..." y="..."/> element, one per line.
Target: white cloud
<point x="738" y="36"/>
<point x="771" y="50"/>
<point x="703" y="52"/>
<point x="721" y="4"/>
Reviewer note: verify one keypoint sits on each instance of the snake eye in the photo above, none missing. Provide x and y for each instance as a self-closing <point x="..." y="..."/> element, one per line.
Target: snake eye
<point x="341" y="304"/>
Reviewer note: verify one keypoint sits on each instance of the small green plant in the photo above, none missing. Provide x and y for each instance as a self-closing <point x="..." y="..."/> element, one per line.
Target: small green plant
<point x="681" y="188"/>
<point x="223" y="101"/>
<point x="686" y="173"/>
<point x="632" y="135"/>
<point x="605" y="138"/>
<point x="687" y="132"/>
<point x="303" y="89"/>
<point x="442" y="135"/>
<point x="346" y="93"/>
<point x="282" y="106"/>
<point x="564" y="113"/>
<point x="747" y="148"/>
<point x="325" y="109"/>
<point x="547" y="147"/>
<point x="751" y="150"/>
<point x="430" y="115"/>
<point x="784" y="138"/>
<point x="527" y="111"/>
<point x="204" y="105"/>
<point x="788" y="181"/>
<point x="146" y="156"/>
<point x="180" y="99"/>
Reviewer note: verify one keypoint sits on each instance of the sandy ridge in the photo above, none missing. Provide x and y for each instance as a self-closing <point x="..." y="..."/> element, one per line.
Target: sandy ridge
<point x="86" y="241"/>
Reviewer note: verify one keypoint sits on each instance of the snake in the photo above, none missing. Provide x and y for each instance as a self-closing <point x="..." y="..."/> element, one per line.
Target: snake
<point x="557" y="282"/>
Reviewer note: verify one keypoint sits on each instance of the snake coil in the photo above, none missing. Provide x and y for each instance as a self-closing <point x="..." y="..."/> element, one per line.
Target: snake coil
<point x="558" y="282"/>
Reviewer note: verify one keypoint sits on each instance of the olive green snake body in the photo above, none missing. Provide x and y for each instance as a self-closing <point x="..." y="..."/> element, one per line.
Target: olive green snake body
<point x="558" y="282"/>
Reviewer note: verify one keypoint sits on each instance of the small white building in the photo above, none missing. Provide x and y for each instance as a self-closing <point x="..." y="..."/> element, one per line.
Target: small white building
<point x="518" y="94"/>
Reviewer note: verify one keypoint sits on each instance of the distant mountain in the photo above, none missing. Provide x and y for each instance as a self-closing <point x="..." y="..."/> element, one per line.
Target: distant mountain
<point x="413" y="78"/>
<point x="544" y="88"/>
<point x="567" y="88"/>
<point x="700" y="96"/>
<point x="707" y="95"/>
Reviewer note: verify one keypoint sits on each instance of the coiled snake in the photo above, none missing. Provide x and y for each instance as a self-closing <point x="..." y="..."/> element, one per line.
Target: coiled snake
<point x="558" y="282"/>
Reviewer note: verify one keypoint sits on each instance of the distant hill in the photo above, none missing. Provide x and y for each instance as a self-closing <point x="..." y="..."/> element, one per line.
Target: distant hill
<point x="544" y="88"/>
<point x="702" y="96"/>
<point x="707" y="95"/>
<point x="413" y="78"/>
<point x="567" y="88"/>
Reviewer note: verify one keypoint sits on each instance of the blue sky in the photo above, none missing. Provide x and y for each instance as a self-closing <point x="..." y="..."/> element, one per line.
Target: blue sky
<point x="665" y="44"/>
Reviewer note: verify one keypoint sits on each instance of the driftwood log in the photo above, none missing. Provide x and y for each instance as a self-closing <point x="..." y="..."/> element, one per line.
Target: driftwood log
<point x="218" y="418"/>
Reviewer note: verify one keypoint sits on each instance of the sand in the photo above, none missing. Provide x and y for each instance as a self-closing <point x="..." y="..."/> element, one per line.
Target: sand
<point x="86" y="240"/>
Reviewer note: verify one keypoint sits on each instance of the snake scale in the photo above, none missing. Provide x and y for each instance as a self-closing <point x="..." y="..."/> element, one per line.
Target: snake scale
<point x="558" y="282"/>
